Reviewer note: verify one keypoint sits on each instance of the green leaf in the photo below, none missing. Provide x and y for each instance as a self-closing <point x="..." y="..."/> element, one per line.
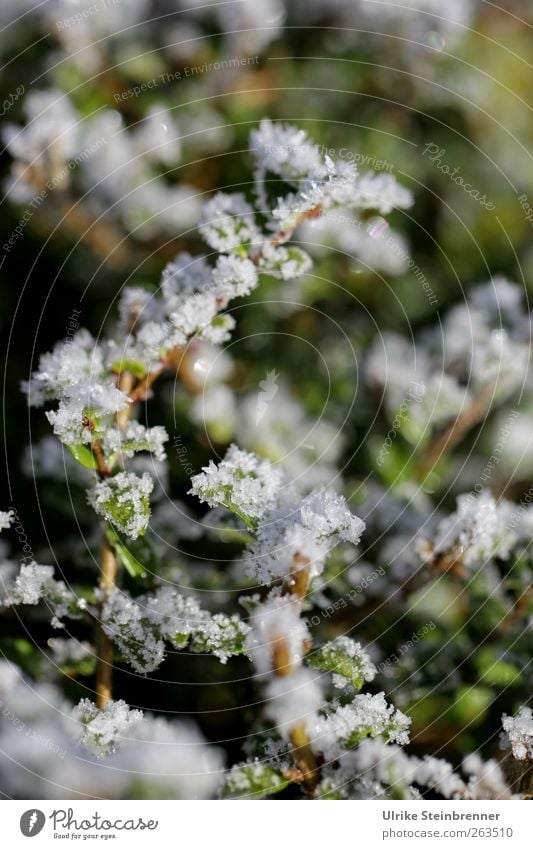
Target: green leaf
<point x="83" y="455"/>
<point x="136" y="368"/>
<point x="346" y="658"/>
<point x="253" y="781"/>
<point x="494" y="670"/>
<point x="138" y="558"/>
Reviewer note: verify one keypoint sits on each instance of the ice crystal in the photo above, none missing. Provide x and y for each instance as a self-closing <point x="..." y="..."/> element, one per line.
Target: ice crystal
<point x="479" y="529"/>
<point x="7" y="518"/>
<point x="518" y="734"/>
<point x="366" y="716"/>
<point x="124" y="501"/>
<point x="241" y="482"/>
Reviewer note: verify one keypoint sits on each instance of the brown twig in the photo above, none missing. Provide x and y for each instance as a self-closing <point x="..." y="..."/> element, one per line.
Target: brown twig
<point x="104" y="646"/>
<point x="455" y="432"/>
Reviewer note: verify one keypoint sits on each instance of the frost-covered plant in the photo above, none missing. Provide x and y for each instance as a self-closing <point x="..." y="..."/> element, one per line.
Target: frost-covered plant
<point x="95" y="389"/>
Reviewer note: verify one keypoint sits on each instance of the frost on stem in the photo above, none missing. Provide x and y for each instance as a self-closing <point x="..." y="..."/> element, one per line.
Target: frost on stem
<point x="123" y="500"/>
<point x="321" y="183"/>
<point x="303" y="531"/>
<point x="276" y="642"/>
<point x="481" y="528"/>
<point x="134" y="437"/>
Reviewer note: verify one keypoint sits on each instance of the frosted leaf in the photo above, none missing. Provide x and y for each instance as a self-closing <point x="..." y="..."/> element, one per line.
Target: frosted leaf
<point x="381" y="192"/>
<point x="241" y="482"/>
<point x="141" y="626"/>
<point x="283" y="545"/>
<point x="218" y="330"/>
<point x="227" y="223"/>
<point x="286" y="151"/>
<point x="184" y="276"/>
<point x="31" y="583"/>
<point x="366" y="716"/>
<point x="325" y="512"/>
<point x="480" y="528"/>
<point x="276" y="626"/>
<point x="71" y="362"/>
<point x="234" y="276"/>
<point x="133" y="438"/>
<point x="346" y="659"/>
<point x="124" y="501"/>
<point x="77" y="419"/>
<point x="133" y="630"/>
<point x="103" y="730"/>
<point x="7" y="518"/>
<point x="518" y="734"/>
<point x="35" y="583"/>
<point x="222" y="635"/>
<point x="286" y="262"/>
<point x="303" y="533"/>
<point x="253" y="781"/>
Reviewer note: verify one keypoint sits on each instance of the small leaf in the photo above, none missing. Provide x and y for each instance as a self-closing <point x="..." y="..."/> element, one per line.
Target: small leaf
<point x="253" y="781"/>
<point x="345" y="658"/>
<point x="83" y="455"/>
<point x="136" y="368"/>
<point x="138" y="558"/>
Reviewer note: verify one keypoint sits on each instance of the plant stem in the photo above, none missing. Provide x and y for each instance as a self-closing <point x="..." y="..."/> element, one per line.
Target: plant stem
<point x="108" y="575"/>
<point x="104" y="646"/>
<point x="455" y="432"/>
